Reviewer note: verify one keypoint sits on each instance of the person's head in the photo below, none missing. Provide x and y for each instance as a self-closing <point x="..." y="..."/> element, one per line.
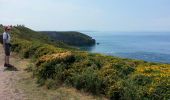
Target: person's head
<point x="7" y="28"/>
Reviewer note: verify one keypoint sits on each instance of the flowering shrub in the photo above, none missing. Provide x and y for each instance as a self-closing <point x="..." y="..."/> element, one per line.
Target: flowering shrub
<point x="33" y="49"/>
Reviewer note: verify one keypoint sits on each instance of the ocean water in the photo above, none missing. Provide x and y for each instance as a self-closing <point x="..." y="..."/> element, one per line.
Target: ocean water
<point x="148" y="46"/>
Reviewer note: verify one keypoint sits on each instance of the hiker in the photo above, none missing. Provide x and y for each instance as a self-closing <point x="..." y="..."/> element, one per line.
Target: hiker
<point x="6" y="45"/>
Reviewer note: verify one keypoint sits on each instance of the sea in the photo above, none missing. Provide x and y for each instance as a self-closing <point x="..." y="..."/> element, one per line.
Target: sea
<point x="147" y="46"/>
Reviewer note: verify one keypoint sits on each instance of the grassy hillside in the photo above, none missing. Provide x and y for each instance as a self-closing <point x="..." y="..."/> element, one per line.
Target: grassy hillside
<point x="116" y="78"/>
<point x="21" y="32"/>
<point x="71" y="38"/>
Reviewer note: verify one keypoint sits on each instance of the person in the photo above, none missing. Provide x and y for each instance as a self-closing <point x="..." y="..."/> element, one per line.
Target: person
<point x="6" y="45"/>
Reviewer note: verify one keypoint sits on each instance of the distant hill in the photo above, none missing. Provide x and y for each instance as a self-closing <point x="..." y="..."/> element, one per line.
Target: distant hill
<point x="70" y="37"/>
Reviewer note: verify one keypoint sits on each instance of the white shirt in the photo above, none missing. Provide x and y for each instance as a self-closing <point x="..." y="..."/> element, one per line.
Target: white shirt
<point x="6" y="37"/>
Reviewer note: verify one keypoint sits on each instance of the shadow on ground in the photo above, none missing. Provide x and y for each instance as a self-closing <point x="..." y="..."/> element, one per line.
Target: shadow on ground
<point x="11" y="69"/>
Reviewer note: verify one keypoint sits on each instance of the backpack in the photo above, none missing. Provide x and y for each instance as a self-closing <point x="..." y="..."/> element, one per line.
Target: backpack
<point x="1" y="38"/>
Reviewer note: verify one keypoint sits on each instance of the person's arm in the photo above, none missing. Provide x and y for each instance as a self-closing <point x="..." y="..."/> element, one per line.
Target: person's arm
<point x="4" y="39"/>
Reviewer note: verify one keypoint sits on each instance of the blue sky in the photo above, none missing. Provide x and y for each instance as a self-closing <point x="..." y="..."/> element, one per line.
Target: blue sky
<point x="97" y="15"/>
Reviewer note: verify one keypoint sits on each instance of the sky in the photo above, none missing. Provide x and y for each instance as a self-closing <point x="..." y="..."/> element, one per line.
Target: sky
<point x="87" y="15"/>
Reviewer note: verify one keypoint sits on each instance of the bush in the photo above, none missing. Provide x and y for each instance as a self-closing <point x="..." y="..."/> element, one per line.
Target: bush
<point x="115" y="92"/>
<point x="88" y="80"/>
<point x="142" y="80"/>
<point x="33" y="49"/>
<point x="161" y="91"/>
<point x="66" y="57"/>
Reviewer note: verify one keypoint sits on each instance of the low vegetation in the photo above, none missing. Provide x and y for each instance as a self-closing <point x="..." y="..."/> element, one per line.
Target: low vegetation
<point x="114" y="77"/>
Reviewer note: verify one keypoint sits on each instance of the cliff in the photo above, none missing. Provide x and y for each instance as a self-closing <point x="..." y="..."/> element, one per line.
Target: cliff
<point x="71" y="38"/>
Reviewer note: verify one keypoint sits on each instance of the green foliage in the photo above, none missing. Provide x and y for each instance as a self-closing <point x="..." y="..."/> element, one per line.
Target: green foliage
<point x="162" y="91"/>
<point x="1" y="29"/>
<point x="114" y="77"/>
<point x="32" y="49"/>
<point x="142" y="80"/>
<point x="88" y="80"/>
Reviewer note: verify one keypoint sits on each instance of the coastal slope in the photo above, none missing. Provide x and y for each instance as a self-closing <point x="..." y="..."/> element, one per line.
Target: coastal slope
<point x="116" y="78"/>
